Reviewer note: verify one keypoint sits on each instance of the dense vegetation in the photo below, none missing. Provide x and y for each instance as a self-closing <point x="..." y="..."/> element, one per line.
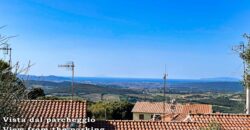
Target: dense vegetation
<point x="35" y="93"/>
<point x="111" y="110"/>
<point x="12" y="90"/>
<point x="224" y="104"/>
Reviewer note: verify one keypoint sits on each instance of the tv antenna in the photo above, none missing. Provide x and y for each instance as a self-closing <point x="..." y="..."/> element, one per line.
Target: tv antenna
<point x="70" y="66"/>
<point x="7" y="51"/>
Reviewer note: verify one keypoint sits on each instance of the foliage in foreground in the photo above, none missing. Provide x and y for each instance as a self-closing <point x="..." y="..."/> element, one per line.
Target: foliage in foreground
<point x="12" y="90"/>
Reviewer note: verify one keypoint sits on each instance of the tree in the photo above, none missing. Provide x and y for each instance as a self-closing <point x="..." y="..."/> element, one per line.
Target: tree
<point x="122" y="110"/>
<point x="34" y="93"/>
<point x="12" y="89"/>
<point x="245" y="55"/>
<point x="112" y="110"/>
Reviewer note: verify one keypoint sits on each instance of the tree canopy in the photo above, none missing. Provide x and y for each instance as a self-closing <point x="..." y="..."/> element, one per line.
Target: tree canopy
<point x="12" y="90"/>
<point x="112" y="110"/>
<point x="35" y="93"/>
<point x="245" y="54"/>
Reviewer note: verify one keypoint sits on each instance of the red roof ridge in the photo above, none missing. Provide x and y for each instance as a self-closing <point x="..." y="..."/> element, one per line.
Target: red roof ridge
<point x="150" y="121"/>
<point x="53" y="100"/>
<point x="72" y="109"/>
<point x="225" y="114"/>
<point x="157" y="107"/>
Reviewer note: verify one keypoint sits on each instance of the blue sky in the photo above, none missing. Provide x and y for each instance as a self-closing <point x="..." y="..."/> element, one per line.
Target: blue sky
<point x="129" y="38"/>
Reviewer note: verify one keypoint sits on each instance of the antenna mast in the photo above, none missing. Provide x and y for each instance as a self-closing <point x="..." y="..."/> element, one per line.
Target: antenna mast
<point x="164" y="92"/>
<point x="71" y="67"/>
<point x="7" y="51"/>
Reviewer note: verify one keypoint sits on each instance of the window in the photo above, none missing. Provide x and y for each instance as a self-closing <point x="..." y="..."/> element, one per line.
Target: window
<point x="141" y="117"/>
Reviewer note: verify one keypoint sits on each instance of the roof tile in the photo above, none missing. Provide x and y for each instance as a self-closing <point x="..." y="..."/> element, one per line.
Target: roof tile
<point x="157" y="107"/>
<point x="50" y="109"/>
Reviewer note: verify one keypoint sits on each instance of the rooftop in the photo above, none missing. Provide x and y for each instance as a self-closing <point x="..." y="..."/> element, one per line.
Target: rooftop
<point x="192" y="122"/>
<point x="157" y="107"/>
<point x="51" y="109"/>
<point x="227" y="121"/>
<point x="77" y="109"/>
<point x="146" y="125"/>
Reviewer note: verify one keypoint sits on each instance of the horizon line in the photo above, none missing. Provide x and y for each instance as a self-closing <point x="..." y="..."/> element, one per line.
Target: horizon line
<point x="208" y="78"/>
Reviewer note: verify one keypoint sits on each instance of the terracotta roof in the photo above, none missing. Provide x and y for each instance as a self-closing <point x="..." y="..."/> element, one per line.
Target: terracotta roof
<point x="186" y="110"/>
<point x="193" y="122"/>
<point x="56" y="109"/>
<point x="227" y="121"/>
<point x="197" y="109"/>
<point x="77" y="109"/>
<point x="157" y="107"/>
<point x="174" y="117"/>
<point x="146" y="125"/>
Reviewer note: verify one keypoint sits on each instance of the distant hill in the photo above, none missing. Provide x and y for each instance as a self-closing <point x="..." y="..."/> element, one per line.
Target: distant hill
<point x="222" y="84"/>
<point x="219" y="86"/>
<point x="54" y="78"/>
<point x="45" y="78"/>
<point x="221" y="79"/>
<point x="80" y="88"/>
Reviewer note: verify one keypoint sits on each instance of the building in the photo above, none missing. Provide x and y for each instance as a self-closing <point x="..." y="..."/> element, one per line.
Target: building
<point x="194" y="120"/>
<point x="155" y="110"/>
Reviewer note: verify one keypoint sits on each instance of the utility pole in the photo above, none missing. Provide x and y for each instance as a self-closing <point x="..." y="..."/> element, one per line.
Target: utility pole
<point x="164" y="93"/>
<point x="7" y="51"/>
<point x="71" y="67"/>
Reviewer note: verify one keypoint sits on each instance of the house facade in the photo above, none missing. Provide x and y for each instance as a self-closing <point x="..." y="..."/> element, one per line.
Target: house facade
<point x="167" y="112"/>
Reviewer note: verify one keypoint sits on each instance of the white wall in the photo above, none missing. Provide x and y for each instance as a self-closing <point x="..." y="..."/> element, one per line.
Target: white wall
<point x="147" y="116"/>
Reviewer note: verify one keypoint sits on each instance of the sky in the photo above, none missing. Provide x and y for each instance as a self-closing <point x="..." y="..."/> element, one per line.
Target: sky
<point x="129" y="38"/>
